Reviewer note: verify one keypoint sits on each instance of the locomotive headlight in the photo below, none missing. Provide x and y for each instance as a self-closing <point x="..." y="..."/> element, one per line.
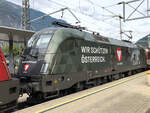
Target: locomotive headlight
<point x="44" y="68"/>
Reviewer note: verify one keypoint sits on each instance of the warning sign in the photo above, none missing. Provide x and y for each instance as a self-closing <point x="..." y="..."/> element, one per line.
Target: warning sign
<point x="119" y="54"/>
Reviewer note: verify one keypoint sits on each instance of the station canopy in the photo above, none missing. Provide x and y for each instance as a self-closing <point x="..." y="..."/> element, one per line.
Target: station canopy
<point x="19" y="35"/>
<point x="11" y="34"/>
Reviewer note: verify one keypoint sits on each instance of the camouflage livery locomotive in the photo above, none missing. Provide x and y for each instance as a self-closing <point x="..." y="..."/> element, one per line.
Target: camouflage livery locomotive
<point x="60" y="58"/>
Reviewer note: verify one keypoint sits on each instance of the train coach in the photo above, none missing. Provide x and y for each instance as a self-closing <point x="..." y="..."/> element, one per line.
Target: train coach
<point x="9" y="87"/>
<point x="60" y="58"/>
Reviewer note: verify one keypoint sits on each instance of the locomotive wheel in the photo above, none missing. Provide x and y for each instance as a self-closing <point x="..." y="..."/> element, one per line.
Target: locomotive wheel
<point x="63" y="92"/>
<point x="109" y="78"/>
<point x="80" y="86"/>
<point x="40" y="96"/>
<point x="35" y="98"/>
<point x="133" y="72"/>
<point x="9" y="111"/>
<point x="104" y="80"/>
<point x="129" y="73"/>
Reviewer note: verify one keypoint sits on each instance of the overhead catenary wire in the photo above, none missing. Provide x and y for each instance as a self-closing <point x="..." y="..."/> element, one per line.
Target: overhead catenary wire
<point x="115" y="15"/>
<point x="105" y="9"/>
<point x="99" y="19"/>
<point x="62" y="5"/>
<point x="57" y="3"/>
<point x="62" y="9"/>
<point x="41" y="17"/>
<point x="88" y="15"/>
<point x="111" y="5"/>
<point x="33" y="3"/>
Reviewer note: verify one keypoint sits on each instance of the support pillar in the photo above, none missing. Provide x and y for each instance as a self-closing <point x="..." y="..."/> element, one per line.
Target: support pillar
<point x="25" y="42"/>
<point x="11" y="61"/>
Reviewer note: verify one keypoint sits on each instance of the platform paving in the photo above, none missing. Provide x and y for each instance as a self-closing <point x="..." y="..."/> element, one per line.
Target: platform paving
<point x="127" y="95"/>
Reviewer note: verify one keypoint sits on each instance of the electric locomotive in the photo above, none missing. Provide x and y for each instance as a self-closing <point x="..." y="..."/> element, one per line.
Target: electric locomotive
<point x="9" y="87"/>
<point x="60" y="58"/>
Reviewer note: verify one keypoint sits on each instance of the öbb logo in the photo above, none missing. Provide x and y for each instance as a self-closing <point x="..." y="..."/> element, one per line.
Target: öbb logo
<point x="26" y="67"/>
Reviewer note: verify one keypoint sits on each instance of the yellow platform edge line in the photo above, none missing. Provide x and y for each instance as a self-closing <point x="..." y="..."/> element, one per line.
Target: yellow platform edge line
<point x="90" y="93"/>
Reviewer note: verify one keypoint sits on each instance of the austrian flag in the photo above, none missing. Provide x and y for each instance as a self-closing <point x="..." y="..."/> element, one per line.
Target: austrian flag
<point x="119" y="54"/>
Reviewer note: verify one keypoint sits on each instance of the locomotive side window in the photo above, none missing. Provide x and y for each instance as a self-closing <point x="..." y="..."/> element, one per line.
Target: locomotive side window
<point x="66" y="58"/>
<point x="67" y="45"/>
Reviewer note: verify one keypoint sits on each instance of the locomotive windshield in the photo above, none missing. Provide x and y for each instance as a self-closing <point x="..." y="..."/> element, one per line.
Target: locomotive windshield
<point x="38" y="44"/>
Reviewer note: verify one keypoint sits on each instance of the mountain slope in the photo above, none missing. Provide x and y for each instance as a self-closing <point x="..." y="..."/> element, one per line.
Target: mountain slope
<point x="10" y="15"/>
<point x="143" y="42"/>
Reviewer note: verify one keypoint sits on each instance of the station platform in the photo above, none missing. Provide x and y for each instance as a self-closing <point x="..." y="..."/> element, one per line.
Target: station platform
<point x="127" y="95"/>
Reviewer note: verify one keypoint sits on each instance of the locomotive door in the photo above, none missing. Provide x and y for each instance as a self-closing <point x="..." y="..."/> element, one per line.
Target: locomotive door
<point x="113" y="58"/>
<point x="4" y="72"/>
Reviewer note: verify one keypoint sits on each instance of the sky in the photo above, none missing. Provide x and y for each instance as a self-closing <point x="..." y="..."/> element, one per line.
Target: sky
<point x="96" y="18"/>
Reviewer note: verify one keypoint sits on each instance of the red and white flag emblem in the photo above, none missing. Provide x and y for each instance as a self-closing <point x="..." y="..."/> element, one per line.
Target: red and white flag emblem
<point x="119" y="54"/>
<point x="26" y="67"/>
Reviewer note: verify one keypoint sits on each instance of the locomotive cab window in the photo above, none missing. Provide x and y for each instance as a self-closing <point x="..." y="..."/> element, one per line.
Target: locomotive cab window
<point x="38" y="43"/>
<point x="43" y="41"/>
